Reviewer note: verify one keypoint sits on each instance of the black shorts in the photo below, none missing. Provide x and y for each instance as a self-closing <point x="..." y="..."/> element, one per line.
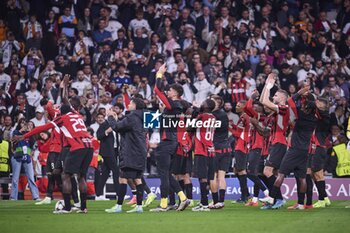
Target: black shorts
<point x="241" y="160"/>
<point x="130" y="173"/>
<point x="261" y="165"/>
<point x="295" y="161"/>
<point x="180" y="165"/>
<point x="276" y="154"/>
<point x="204" y="167"/>
<point x="317" y="160"/>
<point x="253" y="161"/>
<point x="51" y="161"/>
<point x="223" y="161"/>
<point x="61" y="157"/>
<point x="78" y="161"/>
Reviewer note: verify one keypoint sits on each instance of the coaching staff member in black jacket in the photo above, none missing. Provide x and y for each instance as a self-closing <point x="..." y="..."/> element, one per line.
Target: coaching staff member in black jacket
<point x="106" y="137"/>
<point x="133" y="152"/>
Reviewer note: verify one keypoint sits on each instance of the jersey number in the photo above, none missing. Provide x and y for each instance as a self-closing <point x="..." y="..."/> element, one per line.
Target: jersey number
<point x="209" y="134"/>
<point x="78" y="125"/>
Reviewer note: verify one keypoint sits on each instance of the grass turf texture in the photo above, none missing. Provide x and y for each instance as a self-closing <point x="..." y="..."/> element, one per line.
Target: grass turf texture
<point x="24" y="216"/>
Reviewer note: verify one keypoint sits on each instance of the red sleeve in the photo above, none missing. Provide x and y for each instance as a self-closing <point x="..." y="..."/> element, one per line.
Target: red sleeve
<point x="39" y="129"/>
<point x="126" y="100"/>
<point x="249" y="109"/>
<point x="44" y="147"/>
<point x="51" y="110"/>
<point x="293" y="106"/>
<point x="162" y="97"/>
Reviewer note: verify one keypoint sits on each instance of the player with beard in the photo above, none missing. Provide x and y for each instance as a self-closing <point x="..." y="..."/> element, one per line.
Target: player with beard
<point x="295" y="160"/>
<point x="204" y="152"/>
<point x="278" y="140"/>
<point x="223" y="154"/>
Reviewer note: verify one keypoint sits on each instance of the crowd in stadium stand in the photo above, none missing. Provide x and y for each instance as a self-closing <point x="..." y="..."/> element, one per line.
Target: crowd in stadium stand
<point x="112" y="50"/>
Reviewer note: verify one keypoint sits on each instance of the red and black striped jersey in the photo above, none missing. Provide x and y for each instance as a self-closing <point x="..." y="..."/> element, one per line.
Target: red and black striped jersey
<point x="73" y="128"/>
<point x="280" y="127"/>
<point x="238" y="91"/>
<point x="204" y="136"/>
<point x="243" y="133"/>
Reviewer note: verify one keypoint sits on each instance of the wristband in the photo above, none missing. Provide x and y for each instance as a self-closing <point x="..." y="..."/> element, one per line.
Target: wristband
<point x="269" y="85"/>
<point x="159" y="75"/>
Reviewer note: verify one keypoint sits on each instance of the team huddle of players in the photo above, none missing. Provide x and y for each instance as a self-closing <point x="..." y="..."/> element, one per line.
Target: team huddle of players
<point x="263" y="152"/>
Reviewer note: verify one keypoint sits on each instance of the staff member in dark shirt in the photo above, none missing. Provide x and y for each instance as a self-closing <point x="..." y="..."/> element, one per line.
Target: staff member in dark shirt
<point x="106" y="137"/>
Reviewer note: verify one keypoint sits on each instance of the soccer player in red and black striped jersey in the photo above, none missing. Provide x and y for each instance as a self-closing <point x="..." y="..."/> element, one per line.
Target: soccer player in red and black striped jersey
<point x="181" y="165"/>
<point x="166" y="149"/>
<point x="256" y="111"/>
<point x="54" y="153"/>
<point x="79" y="157"/>
<point x="278" y="135"/>
<point x="242" y="147"/>
<point x="204" y="152"/>
<point x="295" y="160"/>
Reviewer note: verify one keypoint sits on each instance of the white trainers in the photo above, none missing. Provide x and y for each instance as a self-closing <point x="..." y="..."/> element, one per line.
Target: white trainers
<point x="201" y="208"/>
<point x="62" y="211"/>
<point x="76" y="207"/>
<point x="101" y="198"/>
<point x="267" y="199"/>
<point x="115" y="209"/>
<point x="45" y="201"/>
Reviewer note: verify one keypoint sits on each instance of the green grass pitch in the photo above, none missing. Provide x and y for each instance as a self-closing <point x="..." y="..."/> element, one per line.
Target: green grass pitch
<point x="25" y="217"/>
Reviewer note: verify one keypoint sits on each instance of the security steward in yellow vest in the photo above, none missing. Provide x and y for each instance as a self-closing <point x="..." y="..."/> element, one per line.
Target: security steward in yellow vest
<point x="5" y="153"/>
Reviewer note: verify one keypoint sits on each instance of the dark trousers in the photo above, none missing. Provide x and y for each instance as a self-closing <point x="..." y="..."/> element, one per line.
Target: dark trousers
<point x="164" y="153"/>
<point x="109" y="164"/>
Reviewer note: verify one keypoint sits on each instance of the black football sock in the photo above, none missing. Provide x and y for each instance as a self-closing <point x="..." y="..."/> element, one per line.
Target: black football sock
<point x="301" y="198"/>
<point x="74" y="190"/>
<point x="257" y="181"/>
<point x="121" y="193"/>
<point x="222" y="195"/>
<point x="172" y="200"/>
<point x="83" y="197"/>
<point x="215" y="197"/>
<point x="204" y="193"/>
<point x="139" y="195"/>
<point x="256" y="190"/>
<point x="58" y="179"/>
<point x="264" y="180"/>
<point x="182" y="184"/>
<point x="50" y="185"/>
<point x="274" y="192"/>
<point x="243" y="184"/>
<point x="145" y="186"/>
<point x="309" y="189"/>
<point x="66" y="198"/>
<point x="189" y="189"/>
<point x="134" y="192"/>
<point x="323" y="185"/>
<point x="271" y="180"/>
